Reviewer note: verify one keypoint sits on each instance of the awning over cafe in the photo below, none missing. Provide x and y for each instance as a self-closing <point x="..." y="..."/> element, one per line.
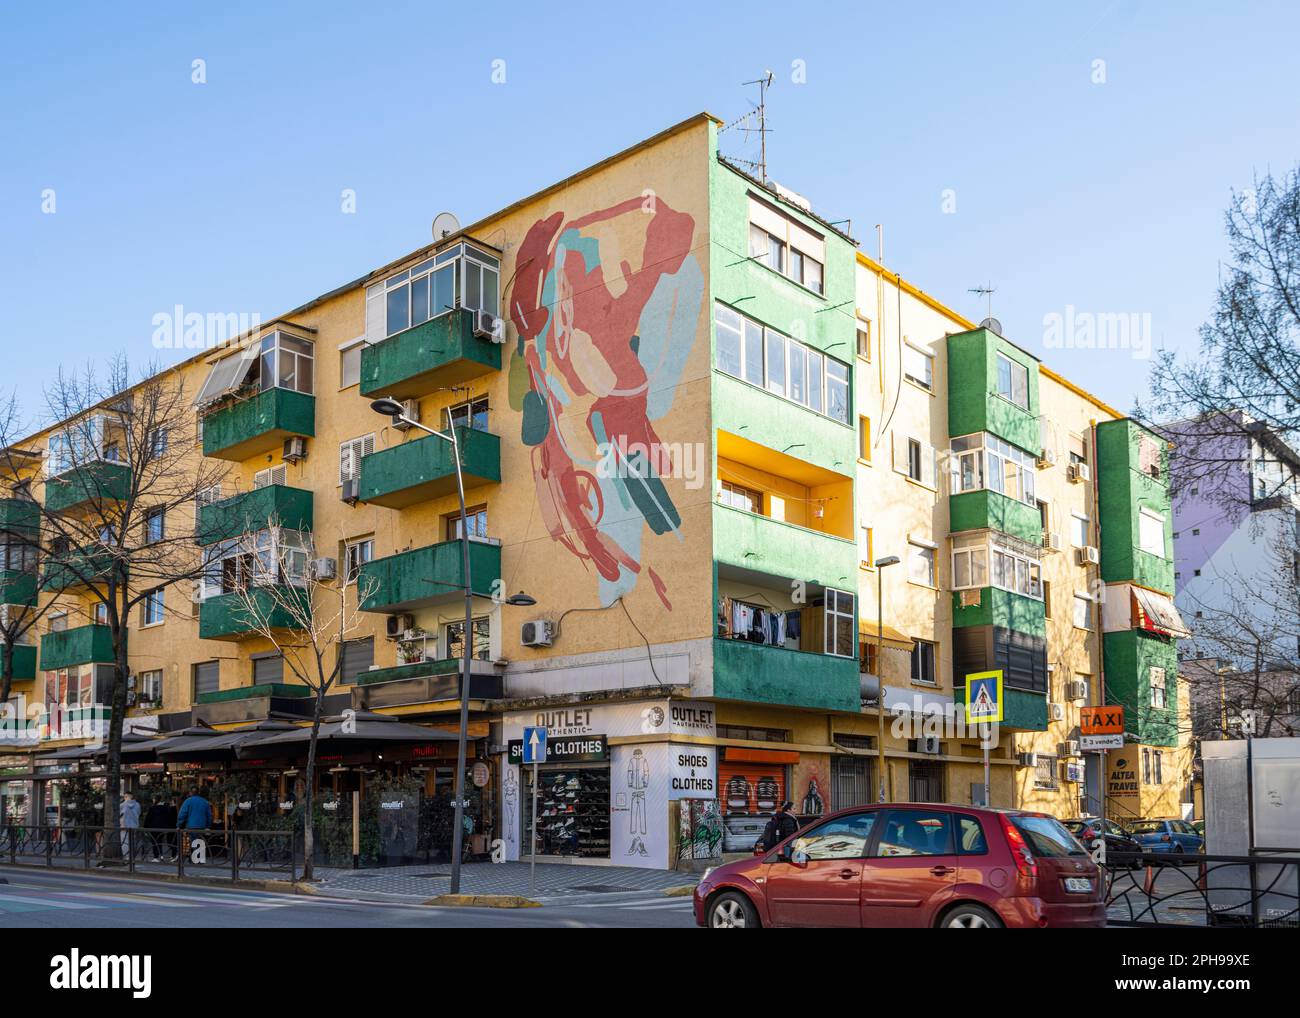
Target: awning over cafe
<point x="352" y="731"/>
<point x="220" y="745"/>
<point x="869" y="632"/>
<point x="147" y="747"/>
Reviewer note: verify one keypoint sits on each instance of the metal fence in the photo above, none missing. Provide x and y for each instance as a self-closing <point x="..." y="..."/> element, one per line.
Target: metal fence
<point x="1159" y="889"/>
<point x="236" y="854"/>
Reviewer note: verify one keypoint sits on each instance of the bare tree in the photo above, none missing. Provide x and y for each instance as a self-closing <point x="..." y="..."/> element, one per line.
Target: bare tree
<point x="305" y="617"/>
<point x="122" y="478"/>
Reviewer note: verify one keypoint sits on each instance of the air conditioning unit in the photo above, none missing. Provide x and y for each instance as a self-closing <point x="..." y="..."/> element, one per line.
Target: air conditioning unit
<point x="1052" y="542"/>
<point x="1088" y="556"/>
<point x="350" y="491"/>
<point x="1078" y="473"/>
<point x="1046" y="457"/>
<point x="410" y="415"/>
<point x="538" y="633"/>
<point x="295" y="449"/>
<point x="395" y="626"/>
<point x="1069" y="748"/>
<point x="929" y="744"/>
<point x="324" y="568"/>
<point x="489" y="326"/>
<point x="1076" y="689"/>
<point x="1027" y="760"/>
<point x="1056" y="711"/>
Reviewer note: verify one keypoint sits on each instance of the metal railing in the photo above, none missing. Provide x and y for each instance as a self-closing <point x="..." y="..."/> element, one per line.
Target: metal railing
<point x="1163" y="889"/>
<point x="238" y="854"/>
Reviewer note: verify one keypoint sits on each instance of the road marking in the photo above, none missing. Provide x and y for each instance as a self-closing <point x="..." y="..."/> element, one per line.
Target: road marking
<point x="19" y="899"/>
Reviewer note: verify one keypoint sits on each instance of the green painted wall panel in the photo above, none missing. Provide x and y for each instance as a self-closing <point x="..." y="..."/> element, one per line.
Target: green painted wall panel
<point x="281" y="689"/>
<point x="782" y="549"/>
<point x="1002" y="608"/>
<point x="428" y="575"/>
<point x="273" y="505"/>
<point x="441" y="351"/>
<point x="76" y="568"/>
<point x="446" y="666"/>
<point x="19" y="515"/>
<point x="17" y="587"/>
<point x="752" y="673"/>
<point x="984" y="509"/>
<point x="973" y="400"/>
<point x="100" y="481"/>
<point x="225" y="617"/>
<point x="1124" y="489"/>
<point x="24" y="662"/>
<point x="78" y="646"/>
<point x="1129" y="657"/>
<point x="253" y="426"/>
<point x="416" y="471"/>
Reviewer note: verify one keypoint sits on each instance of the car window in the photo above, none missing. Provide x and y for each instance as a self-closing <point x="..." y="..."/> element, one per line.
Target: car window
<point x="842" y="838"/>
<point x="970" y="836"/>
<point x="915" y="832"/>
<point x="1046" y="836"/>
<point x="1114" y="828"/>
<point x="1182" y="827"/>
<point x="1149" y="827"/>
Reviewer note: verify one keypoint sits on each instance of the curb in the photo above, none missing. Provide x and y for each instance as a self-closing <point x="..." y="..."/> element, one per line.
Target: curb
<point x="277" y="886"/>
<point x="482" y="901"/>
<point x="683" y="891"/>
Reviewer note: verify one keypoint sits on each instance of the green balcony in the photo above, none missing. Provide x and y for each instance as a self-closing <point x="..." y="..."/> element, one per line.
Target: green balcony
<point x="441" y="351"/>
<point x="1129" y="656"/>
<point x="429" y="575"/>
<point x="226" y="617"/>
<point x="991" y="510"/>
<point x="776" y="549"/>
<point x="1002" y="608"/>
<point x="258" y="425"/>
<point x="423" y="469"/>
<point x="17" y="586"/>
<point x="24" y="662"/>
<point x="80" y="646"/>
<point x="274" y="505"/>
<point x="973" y="401"/>
<point x="279" y="689"/>
<point x="89" y="484"/>
<point x="753" y="673"/>
<point x="19" y="515"/>
<point x="1023" y="710"/>
<point x="1133" y="475"/>
<point x="77" y="569"/>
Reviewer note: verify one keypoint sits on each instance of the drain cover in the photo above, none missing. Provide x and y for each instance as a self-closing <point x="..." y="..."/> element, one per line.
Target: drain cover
<point x="601" y="888"/>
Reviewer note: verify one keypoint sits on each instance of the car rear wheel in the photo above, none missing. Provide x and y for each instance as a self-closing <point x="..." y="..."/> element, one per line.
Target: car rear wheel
<point x="971" y="917"/>
<point x="732" y="911"/>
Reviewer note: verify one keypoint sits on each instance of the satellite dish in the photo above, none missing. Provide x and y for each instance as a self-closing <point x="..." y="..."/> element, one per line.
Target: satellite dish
<point x="993" y="325"/>
<point x="444" y="225"/>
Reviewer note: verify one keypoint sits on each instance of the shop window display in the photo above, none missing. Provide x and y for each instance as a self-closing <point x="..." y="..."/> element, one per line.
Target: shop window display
<point x="572" y="811"/>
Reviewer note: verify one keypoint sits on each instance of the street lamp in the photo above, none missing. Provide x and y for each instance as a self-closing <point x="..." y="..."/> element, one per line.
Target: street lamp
<point x="880" y="564"/>
<point x="390" y="407"/>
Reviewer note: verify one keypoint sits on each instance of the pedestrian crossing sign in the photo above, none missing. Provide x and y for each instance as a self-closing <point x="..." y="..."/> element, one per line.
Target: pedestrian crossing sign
<point x="984" y="697"/>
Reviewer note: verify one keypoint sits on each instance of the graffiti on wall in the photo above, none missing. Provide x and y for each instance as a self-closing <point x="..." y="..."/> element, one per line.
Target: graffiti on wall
<point x="606" y="305"/>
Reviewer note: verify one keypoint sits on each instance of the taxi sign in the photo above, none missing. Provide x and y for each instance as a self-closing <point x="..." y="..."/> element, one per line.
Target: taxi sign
<point x="984" y="697"/>
<point x="1107" y="720"/>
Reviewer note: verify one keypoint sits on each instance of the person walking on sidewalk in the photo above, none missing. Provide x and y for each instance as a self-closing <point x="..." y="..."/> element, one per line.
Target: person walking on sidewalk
<point x="129" y="816"/>
<point x="195" y="815"/>
<point x="780" y="827"/>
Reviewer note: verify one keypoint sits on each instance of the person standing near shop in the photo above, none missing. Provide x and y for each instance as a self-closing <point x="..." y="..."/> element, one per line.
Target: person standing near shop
<point x="129" y="815"/>
<point x="159" y="821"/>
<point x="781" y="826"/>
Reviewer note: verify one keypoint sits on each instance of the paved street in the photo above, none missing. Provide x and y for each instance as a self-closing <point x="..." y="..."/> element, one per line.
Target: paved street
<point x="58" y="899"/>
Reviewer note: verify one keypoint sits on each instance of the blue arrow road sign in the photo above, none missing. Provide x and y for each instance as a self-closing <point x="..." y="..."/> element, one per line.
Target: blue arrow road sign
<point x="534" y="745"/>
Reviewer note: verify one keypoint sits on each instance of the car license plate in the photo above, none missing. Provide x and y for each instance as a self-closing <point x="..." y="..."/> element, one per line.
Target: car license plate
<point x="1080" y="884"/>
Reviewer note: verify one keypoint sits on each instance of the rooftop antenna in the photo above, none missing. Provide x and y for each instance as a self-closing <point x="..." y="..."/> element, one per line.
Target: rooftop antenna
<point x="742" y="122"/>
<point x="987" y="291"/>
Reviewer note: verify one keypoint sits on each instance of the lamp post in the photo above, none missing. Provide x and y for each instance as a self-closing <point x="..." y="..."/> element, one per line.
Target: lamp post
<point x="390" y="407"/>
<point x="881" y="564"/>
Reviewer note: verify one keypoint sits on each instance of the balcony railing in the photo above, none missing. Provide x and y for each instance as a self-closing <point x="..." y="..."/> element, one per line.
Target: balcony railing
<point x="100" y="481"/>
<point x="78" y="646"/>
<point x="755" y="673"/>
<point x="417" y="471"/>
<point x="442" y="351"/>
<point x="429" y="575"/>
<point x="275" y="505"/>
<point x="227" y="617"/>
<point x="250" y="427"/>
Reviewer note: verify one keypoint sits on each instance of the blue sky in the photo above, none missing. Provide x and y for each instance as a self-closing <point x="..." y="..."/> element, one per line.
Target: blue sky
<point x="225" y="196"/>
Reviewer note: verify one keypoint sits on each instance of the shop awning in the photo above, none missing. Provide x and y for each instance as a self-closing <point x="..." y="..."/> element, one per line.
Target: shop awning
<point x="67" y="753"/>
<point x="146" y="747"/>
<point x="1156" y="613"/>
<point x="222" y="746"/>
<point x="354" y="731"/>
<point x="893" y="639"/>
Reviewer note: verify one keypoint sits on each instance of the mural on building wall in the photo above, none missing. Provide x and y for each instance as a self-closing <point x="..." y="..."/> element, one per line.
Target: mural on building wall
<point x="606" y="305"/>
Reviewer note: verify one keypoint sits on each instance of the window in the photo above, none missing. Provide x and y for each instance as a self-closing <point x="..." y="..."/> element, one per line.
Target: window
<point x="785" y="245"/>
<point x="920" y="564"/>
<point x="845" y="837"/>
<point x="1146" y="766"/>
<point x="355" y="555"/>
<point x="864" y="338"/>
<point x="274" y="555"/>
<point x="157" y="443"/>
<point x="767" y="248"/>
<point x="918" y="367"/>
<point x="154" y="525"/>
<point x="864" y="439"/>
<point x="270" y="475"/>
<point x="205" y="496"/>
<point x="781" y="365"/>
<point x="915" y="832"/>
<point x="99" y="614"/>
<point x="350" y="365"/>
<point x="1045" y="770"/>
<point x="970" y="568"/>
<point x="841" y="633"/>
<point x="207" y="677"/>
<point x="459" y="276"/>
<point x="1082" y="611"/>
<point x="454" y="637"/>
<point x="986" y="461"/>
<point x="1151" y="532"/>
<point x="477" y="516"/>
<point x="1013" y="381"/>
<point x="1078" y="530"/>
<point x="865" y="543"/>
<point x="471" y="414"/>
<point x="153" y="607"/>
<point x="355" y="658"/>
<point x="923" y="662"/>
<point x="1078" y="449"/>
<point x="350" y="453"/>
<point x="287" y="362"/>
<point x="1158" y="688"/>
<point x="149" y="688"/>
<point x="1017" y="573"/>
<point x="267" y="668"/>
<point x="746" y="734"/>
<point x="970" y="836"/>
<point x="740" y="498"/>
<point x="914" y="458"/>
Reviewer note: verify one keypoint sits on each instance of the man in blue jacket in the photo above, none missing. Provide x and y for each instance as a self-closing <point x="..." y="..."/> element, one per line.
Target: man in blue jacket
<point x="195" y="814"/>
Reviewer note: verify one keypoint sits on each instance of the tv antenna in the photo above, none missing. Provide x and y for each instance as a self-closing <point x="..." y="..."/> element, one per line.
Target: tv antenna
<point x="745" y="123"/>
<point x="987" y="291"/>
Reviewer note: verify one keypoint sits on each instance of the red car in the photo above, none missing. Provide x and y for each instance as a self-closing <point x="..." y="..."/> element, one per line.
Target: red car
<point x="911" y="864"/>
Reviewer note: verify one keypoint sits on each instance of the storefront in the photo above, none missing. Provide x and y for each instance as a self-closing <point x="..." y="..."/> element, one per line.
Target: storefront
<point x="614" y="781"/>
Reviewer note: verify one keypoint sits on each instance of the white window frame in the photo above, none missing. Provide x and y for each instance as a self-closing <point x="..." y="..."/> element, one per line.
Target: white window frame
<point x="1147" y="518"/>
<point x="357" y="553"/>
<point x="154" y="607"/>
<point x="927" y="553"/>
<point x="149" y="517"/>
<point x="149" y="688"/>
<point x="1015" y="372"/>
<point x="832" y="613"/>
<point x="982" y="461"/>
<point x="1158" y="685"/>
<point x="276" y="352"/>
<point x="1082" y="601"/>
<point x="1079" y="527"/>
<point x="346" y="350"/>
<point x="351" y="452"/>
<point x="927" y="359"/>
<point x="267" y="476"/>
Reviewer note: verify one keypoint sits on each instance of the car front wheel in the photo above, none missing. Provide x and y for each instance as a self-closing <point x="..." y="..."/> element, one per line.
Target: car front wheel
<point x="732" y="911"/>
<point x="970" y="917"/>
